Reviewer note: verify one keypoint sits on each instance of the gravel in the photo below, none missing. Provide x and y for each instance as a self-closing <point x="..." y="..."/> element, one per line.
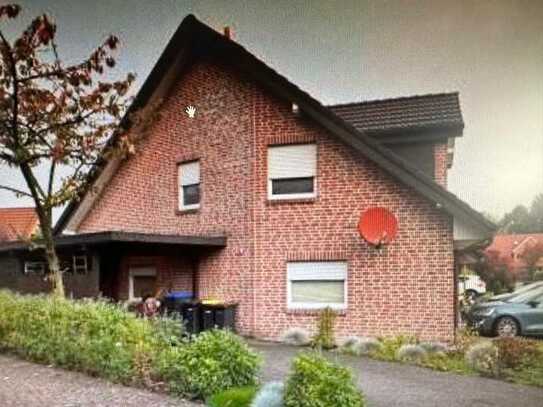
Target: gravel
<point x="24" y="384"/>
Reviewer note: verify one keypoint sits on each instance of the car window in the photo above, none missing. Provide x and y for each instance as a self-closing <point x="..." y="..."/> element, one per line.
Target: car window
<point x="527" y="288"/>
<point x="531" y="295"/>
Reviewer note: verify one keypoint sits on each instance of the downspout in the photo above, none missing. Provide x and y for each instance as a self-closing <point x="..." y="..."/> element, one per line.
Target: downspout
<point x="194" y="267"/>
<point x="253" y="211"/>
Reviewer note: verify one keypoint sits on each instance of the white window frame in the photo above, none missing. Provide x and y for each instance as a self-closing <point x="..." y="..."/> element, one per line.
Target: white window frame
<point x="40" y="264"/>
<point x="180" y="185"/>
<point x="305" y="195"/>
<point x="313" y="305"/>
<point x="138" y="272"/>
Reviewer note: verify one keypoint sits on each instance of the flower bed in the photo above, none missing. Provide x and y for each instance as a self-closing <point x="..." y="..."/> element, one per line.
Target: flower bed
<point x="101" y="339"/>
<point x="517" y="360"/>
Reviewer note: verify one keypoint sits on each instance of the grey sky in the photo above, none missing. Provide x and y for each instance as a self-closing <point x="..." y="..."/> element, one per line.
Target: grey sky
<point x="341" y="51"/>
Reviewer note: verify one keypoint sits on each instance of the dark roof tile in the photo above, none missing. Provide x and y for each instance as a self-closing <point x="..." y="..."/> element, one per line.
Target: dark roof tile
<point x="413" y="112"/>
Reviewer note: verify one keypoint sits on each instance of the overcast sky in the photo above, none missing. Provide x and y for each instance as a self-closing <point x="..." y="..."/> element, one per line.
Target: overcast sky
<point x="343" y="51"/>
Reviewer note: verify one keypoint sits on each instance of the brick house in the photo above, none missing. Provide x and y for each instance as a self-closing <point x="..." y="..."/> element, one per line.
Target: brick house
<point x="256" y="199"/>
<point x="17" y="223"/>
<point x="511" y="249"/>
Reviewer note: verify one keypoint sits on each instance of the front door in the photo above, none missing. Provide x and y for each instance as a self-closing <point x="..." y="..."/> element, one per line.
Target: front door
<point x="141" y="282"/>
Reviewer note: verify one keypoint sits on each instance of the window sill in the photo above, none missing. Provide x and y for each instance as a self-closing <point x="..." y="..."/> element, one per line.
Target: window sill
<point x="279" y="201"/>
<point x="187" y="211"/>
<point x="314" y="311"/>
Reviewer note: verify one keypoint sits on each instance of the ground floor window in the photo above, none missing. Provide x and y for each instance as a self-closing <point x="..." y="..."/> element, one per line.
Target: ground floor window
<point x="142" y="281"/>
<point x="34" y="267"/>
<point x="313" y="285"/>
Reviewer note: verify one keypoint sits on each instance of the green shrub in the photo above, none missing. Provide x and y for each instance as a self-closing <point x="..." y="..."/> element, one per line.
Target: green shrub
<point x="356" y="346"/>
<point x="390" y="346"/>
<point x="102" y="339"/>
<point x="317" y="382"/>
<point x="465" y="339"/>
<point x="483" y="358"/>
<point x="513" y="352"/>
<point x="214" y="361"/>
<point x="446" y="362"/>
<point x="95" y="337"/>
<point x="325" y="330"/>
<point x="236" y="397"/>
<point x="529" y="372"/>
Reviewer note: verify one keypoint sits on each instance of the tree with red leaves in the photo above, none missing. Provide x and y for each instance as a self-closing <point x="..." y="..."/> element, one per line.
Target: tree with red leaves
<point x="58" y="117"/>
<point x="495" y="271"/>
<point x="532" y="256"/>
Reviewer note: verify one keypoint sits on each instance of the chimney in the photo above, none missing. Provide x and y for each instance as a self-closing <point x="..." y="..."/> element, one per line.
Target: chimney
<point x="228" y="32"/>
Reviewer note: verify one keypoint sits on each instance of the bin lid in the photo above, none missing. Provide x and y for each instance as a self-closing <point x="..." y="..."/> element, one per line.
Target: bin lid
<point x="180" y="295"/>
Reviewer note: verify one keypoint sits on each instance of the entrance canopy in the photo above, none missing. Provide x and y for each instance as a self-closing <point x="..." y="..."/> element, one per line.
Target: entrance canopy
<point x="107" y="237"/>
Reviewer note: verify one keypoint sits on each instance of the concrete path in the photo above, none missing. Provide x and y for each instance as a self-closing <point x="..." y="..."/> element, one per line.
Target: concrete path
<point x="24" y="384"/>
<point x="398" y="385"/>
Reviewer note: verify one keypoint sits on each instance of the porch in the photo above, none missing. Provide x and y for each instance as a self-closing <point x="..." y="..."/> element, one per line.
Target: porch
<point x="118" y="265"/>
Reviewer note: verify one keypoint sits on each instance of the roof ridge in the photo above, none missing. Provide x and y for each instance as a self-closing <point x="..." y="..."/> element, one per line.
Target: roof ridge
<point x="211" y="41"/>
<point x="400" y="98"/>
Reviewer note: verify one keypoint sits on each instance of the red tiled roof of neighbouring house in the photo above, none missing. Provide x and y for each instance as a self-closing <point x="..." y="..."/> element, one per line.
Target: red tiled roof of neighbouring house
<point x="441" y="111"/>
<point x="511" y="248"/>
<point x="17" y="223"/>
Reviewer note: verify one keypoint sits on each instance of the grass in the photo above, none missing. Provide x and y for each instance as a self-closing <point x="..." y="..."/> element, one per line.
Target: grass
<point x="236" y="397"/>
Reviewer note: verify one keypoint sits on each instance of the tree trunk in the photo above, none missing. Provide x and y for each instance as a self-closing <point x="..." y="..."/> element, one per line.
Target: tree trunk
<point x="55" y="273"/>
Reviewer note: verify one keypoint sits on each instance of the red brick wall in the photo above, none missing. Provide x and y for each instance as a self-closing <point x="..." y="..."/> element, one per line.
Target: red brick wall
<point x="142" y="196"/>
<point x="406" y="288"/>
<point x="440" y="163"/>
<point x="172" y="272"/>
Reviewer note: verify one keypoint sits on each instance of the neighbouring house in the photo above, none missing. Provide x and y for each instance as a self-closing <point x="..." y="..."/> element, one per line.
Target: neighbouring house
<point x="512" y="249"/>
<point x="17" y="223"/>
<point x="255" y="200"/>
<point x="24" y="270"/>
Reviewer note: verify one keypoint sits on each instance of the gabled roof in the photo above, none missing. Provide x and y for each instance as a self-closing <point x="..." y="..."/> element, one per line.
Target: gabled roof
<point x="511" y="248"/>
<point x="194" y="40"/>
<point x="17" y="223"/>
<point x="405" y="114"/>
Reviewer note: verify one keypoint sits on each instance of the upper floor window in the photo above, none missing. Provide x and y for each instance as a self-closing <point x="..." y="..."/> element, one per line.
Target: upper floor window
<point x="292" y="171"/>
<point x="189" y="185"/>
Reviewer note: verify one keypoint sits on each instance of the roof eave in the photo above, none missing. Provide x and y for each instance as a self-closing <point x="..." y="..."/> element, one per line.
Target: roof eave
<point x="209" y="41"/>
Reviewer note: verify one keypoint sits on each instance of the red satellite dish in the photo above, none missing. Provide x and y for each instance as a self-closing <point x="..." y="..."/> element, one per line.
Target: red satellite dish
<point x="378" y="226"/>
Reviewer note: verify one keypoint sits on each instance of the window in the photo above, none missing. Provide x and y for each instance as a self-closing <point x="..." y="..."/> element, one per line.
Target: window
<point x="313" y="285"/>
<point x="189" y="185"/>
<point x="292" y="171"/>
<point x="142" y="281"/>
<point x="80" y="264"/>
<point x="34" y="267"/>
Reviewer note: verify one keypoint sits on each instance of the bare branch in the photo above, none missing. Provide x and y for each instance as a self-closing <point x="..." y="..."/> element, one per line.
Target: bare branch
<point x="15" y="191"/>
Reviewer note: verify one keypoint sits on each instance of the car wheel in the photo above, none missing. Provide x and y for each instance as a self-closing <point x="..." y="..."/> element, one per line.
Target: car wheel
<point x="506" y="327"/>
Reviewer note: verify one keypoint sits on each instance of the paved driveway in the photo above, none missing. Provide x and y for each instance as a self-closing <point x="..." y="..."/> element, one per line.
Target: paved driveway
<point x="24" y="384"/>
<point x="394" y="385"/>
